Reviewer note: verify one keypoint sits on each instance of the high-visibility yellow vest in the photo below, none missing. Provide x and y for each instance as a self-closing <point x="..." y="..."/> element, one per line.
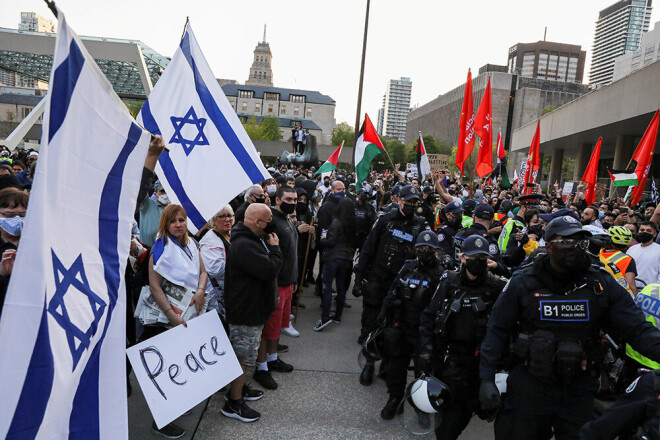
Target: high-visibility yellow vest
<point x="649" y="301"/>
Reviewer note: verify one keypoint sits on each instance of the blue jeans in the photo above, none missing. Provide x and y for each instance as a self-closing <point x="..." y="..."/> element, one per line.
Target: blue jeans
<point x="338" y="270"/>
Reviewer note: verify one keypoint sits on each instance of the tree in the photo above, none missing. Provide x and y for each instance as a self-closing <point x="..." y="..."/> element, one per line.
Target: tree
<point x="134" y="107"/>
<point x="270" y="128"/>
<point x="343" y="132"/>
<point x="547" y="110"/>
<point x="397" y="152"/>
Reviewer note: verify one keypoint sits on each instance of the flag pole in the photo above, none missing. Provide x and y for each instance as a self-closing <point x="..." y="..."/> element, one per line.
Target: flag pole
<point x="359" y="101"/>
<point x="51" y="6"/>
<point x="185" y="26"/>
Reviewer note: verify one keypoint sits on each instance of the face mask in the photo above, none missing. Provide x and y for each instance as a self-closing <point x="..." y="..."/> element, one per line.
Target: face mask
<point x="606" y="225"/>
<point x="409" y="210"/>
<point x="601" y="214"/>
<point x="287" y="208"/>
<point x="270" y="189"/>
<point x="454" y="221"/>
<point x="573" y="257"/>
<point x="339" y="195"/>
<point x="270" y="227"/>
<point x="309" y="175"/>
<point x="326" y="184"/>
<point x="301" y="208"/>
<point x="261" y="199"/>
<point x="644" y="237"/>
<point x="476" y="267"/>
<point x="163" y="199"/>
<point x="425" y="257"/>
<point x="452" y="191"/>
<point x="536" y="230"/>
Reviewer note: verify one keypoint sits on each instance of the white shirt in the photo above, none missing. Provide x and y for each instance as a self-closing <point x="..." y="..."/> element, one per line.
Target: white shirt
<point x="647" y="260"/>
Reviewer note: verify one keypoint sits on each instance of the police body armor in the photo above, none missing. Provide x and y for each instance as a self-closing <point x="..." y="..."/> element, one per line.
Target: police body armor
<point x="365" y="216"/>
<point x="560" y="330"/>
<point x="396" y="245"/>
<point x="650" y="429"/>
<point x="460" y="324"/>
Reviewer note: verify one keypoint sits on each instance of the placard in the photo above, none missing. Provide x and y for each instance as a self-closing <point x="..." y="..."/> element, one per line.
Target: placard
<point x="412" y="168"/>
<point x="438" y="162"/>
<point x="569" y="188"/>
<point x="183" y="366"/>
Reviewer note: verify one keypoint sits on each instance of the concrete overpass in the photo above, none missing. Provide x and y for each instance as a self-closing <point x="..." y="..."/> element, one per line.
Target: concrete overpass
<point x="619" y="112"/>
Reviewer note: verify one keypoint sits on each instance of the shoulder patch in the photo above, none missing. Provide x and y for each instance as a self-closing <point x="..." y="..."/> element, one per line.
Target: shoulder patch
<point x="492" y="249"/>
<point x="441" y="237"/>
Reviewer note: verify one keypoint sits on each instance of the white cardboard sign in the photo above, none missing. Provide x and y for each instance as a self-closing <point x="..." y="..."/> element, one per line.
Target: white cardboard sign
<point x="183" y="366"/>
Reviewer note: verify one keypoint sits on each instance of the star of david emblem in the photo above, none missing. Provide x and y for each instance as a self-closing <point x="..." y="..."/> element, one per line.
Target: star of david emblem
<point x="70" y="284"/>
<point x="179" y="123"/>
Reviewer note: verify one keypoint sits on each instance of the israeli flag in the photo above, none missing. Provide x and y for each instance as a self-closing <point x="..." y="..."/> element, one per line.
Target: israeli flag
<point x="211" y="159"/>
<point x="62" y="333"/>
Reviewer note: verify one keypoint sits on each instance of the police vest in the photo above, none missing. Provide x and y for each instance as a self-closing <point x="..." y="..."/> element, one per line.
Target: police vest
<point x="562" y="327"/>
<point x="648" y="301"/>
<point x="500" y="217"/>
<point x="466" y="222"/>
<point x="413" y="291"/>
<point x="464" y="233"/>
<point x="396" y="245"/>
<point x="505" y="235"/>
<point x="461" y="320"/>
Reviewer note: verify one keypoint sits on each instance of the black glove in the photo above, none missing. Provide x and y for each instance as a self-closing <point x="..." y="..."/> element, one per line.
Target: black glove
<point x="380" y="321"/>
<point x="447" y="262"/>
<point x="489" y="395"/>
<point x="358" y="287"/>
<point x="424" y="363"/>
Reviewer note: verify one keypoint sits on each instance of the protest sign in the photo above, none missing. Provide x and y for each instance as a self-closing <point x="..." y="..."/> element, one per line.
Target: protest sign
<point x="438" y="162"/>
<point x="411" y="168"/>
<point x="183" y="366"/>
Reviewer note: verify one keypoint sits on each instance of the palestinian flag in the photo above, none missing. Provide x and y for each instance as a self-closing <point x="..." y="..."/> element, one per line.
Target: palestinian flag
<point x="423" y="165"/>
<point x="331" y="164"/>
<point x="367" y="146"/>
<point x="623" y="178"/>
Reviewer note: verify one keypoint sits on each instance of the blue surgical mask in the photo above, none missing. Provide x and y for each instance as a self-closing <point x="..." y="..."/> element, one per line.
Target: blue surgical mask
<point x="601" y="214"/>
<point x="12" y="226"/>
<point x="339" y="195"/>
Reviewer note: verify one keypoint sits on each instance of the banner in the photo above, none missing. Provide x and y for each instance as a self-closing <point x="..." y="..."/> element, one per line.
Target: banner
<point x="438" y="162"/>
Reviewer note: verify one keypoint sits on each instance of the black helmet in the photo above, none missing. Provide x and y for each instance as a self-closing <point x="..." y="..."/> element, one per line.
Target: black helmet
<point x="429" y="394"/>
<point x="372" y="348"/>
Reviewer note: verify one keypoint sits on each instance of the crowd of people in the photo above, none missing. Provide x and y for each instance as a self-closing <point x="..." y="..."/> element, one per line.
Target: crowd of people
<point x="466" y="281"/>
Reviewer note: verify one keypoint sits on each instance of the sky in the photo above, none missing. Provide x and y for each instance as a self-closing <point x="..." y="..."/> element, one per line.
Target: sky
<point x="317" y="45"/>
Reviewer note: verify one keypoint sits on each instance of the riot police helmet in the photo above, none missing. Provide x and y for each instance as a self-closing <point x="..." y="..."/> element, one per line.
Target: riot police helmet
<point x="372" y="348"/>
<point x="422" y="407"/>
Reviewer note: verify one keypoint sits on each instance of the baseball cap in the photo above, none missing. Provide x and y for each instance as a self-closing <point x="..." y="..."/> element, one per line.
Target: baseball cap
<point x="564" y="226"/>
<point x="469" y="205"/>
<point x="475" y="245"/>
<point x="428" y="190"/>
<point x="395" y="190"/>
<point x="484" y="211"/>
<point x="408" y="192"/>
<point x="454" y="207"/>
<point x="559" y="213"/>
<point x="158" y="185"/>
<point x="427" y="238"/>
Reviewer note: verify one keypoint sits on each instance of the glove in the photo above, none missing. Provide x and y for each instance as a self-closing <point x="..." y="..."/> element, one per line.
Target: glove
<point x="424" y="363"/>
<point x="380" y="321"/>
<point x="489" y="395"/>
<point x="447" y="262"/>
<point x="358" y="287"/>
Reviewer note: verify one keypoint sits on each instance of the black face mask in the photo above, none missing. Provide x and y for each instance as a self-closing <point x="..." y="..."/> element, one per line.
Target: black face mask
<point x="301" y="208"/>
<point x="573" y="257"/>
<point x="426" y="257"/>
<point x="270" y="227"/>
<point x="536" y="230"/>
<point x="260" y="199"/>
<point x="409" y="210"/>
<point x="326" y="184"/>
<point x="453" y="221"/>
<point x="476" y="267"/>
<point x="606" y="225"/>
<point x="644" y="237"/>
<point x="287" y="208"/>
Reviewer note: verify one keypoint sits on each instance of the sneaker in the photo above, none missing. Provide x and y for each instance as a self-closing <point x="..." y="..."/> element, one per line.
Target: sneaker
<point x="168" y="431"/>
<point x="280" y="366"/>
<point x="239" y="410"/>
<point x="347" y="305"/>
<point x="321" y="324"/>
<point x="290" y="331"/>
<point x="292" y="317"/>
<point x="281" y="348"/>
<point x="265" y="379"/>
<point x="249" y="393"/>
<point x="336" y="320"/>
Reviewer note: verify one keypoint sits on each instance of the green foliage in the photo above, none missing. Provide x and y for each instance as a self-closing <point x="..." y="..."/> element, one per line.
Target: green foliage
<point x="547" y="110"/>
<point x="343" y="132"/>
<point x="134" y="107"/>
<point x="397" y="152"/>
<point x="432" y="145"/>
<point x="268" y="129"/>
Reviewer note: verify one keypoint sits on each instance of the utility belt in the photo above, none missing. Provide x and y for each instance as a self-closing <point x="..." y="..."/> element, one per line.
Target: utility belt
<point x="546" y="357"/>
<point x="462" y="350"/>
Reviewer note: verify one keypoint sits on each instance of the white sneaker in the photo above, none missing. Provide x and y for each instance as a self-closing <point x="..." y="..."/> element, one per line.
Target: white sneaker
<point x="291" y="331"/>
<point x="292" y="317"/>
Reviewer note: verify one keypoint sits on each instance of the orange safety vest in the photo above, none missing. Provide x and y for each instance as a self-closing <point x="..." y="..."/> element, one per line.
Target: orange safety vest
<point x="618" y="258"/>
<point x="499" y="216"/>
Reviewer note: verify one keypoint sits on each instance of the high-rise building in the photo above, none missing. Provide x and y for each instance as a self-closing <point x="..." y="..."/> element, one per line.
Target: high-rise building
<point x="396" y="106"/>
<point x="547" y="60"/>
<point x="648" y="53"/>
<point x="379" y="122"/>
<point x="261" y="73"/>
<point x="619" y="30"/>
<point x="31" y="21"/>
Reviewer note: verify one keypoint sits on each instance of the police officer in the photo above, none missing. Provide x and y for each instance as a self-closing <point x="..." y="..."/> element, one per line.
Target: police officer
<point x="389" y="244"/>
<point x="482" y="219"/>
<point x="635" y="415"/>
<point x="394" y="200"/>
<point x="451" y="329"/>
<point x="365" y="215"/>
<point x="468" y="209"/>
<point x="426" y="207"/>
<point x="506" y="242"/>
<point x="554" y="309"/>
<point x="446" y="233"/>
<point x="409" y="294"/>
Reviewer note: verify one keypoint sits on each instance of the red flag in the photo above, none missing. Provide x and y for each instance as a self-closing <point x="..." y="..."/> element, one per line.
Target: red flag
<point x="466" y="126"/>
<point x="501" y="154"/>
<point x="644" y="155"/>
<point x="533" y="160"/>
<point x="590" y="174"/>
<point x="483" y="127"/>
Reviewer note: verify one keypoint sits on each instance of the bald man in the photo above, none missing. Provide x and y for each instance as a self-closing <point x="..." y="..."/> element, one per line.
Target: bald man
<point x="254" y="194"/>
<point x="253" y="264"/>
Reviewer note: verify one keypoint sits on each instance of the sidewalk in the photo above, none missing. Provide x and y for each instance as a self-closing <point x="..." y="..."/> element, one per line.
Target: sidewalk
<point x="322" y="397"/>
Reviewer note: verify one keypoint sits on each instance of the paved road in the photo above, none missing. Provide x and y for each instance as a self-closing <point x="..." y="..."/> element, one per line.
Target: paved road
<point x="322" y="397"/>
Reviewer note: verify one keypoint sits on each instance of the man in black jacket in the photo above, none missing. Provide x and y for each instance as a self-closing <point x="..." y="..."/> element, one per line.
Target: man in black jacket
<point x="253" y="264"/>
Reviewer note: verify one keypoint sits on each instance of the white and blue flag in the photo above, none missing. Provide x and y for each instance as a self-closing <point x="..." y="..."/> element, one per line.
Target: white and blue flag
<point x="211" y="159"/>
<point x="62" y="332"/>
<point x="655" y="196"/>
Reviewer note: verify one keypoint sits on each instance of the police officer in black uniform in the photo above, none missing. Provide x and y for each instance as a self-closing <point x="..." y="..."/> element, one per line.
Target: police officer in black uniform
<point x="482" y="219"/>
<point x="554" y="309"/>
<point x="427" y="205"/>
<point x="409" y="295"/>
<point x="389" y="244"/>
<point x="452" y="328"/>
<point x="453" y="215"/>
<point x="365" y="215"/>
<point x="635" y="415"/>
